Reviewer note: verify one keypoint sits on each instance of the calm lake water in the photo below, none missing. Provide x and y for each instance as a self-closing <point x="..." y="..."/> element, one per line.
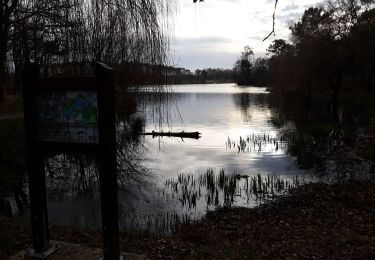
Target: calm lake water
<point x="244" y="157"/>
<point x="219" y="112"/>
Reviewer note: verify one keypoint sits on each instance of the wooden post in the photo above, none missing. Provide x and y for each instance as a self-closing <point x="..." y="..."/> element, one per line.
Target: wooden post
<point x="108" y="161"/>
<point x="35" y="165"/>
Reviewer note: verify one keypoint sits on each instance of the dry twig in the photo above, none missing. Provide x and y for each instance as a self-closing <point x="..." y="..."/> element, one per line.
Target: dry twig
<point x="273" y="21"/>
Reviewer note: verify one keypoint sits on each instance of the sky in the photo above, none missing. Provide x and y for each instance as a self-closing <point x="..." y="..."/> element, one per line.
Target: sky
<point x="213" y="33"/>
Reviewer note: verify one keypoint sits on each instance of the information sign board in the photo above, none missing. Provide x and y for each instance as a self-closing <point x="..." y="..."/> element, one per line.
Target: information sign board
<point x="68" y="116"/>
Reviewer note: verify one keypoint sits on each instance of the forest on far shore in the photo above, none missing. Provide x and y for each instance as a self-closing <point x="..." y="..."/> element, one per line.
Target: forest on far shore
<point x="330" y="47"/>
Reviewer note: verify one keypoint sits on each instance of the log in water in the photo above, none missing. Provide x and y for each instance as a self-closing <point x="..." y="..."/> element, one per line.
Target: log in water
<point x="183" y="134"/>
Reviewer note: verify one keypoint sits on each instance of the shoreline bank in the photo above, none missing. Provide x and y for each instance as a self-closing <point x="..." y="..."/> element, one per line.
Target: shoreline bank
<point x="315" y="221"/>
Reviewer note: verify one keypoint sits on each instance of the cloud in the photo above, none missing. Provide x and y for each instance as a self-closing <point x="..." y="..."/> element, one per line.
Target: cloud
<point x="203" y="52"/>
<point x="286" y="19"/>
<point x="202" y="42"/>
<point x="207" y="33"/>
<point x="201" y="60"/>
<point x="290" y="7"/>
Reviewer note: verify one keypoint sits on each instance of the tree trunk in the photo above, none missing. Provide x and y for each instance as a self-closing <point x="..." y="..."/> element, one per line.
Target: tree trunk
<point x="17" y="76"/>
<point x="2" y="98"/>
<point x="2" y="78"/>
<point x="3" y="50"/>
<point x="370" y="78"/>
<point x="335" y="96"/>
<point x="309" y="90"/>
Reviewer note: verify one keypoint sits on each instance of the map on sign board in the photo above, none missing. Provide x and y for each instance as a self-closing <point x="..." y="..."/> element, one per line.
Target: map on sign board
<point x="68" y="116"/>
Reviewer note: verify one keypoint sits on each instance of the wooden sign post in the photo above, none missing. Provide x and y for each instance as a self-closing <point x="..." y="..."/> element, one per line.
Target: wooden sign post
<point x="75" y="116"/>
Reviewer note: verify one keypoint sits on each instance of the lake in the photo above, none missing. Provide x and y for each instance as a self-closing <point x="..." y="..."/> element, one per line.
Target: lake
<point x="253" y="146"/>
<point x="220" y="112"/>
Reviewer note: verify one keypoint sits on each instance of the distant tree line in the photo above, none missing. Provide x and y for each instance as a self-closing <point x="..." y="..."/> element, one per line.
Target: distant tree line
<point x="204" y="76"/>
<point x="331" y="47"/>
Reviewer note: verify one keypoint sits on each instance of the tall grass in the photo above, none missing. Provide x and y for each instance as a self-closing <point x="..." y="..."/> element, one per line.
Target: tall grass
<point x="223" y="189"/>
<point x="256" y="143"/>
<point x="161" y="223"/>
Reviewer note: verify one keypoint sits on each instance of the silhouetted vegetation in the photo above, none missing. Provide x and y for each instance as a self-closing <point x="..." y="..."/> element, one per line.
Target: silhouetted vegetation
<point x="205" y="76"/>
<point x="221" y="189"/>
<point x="66" y="37"/>
<point x="251" y="71"/>
<point x="331" y="48"/>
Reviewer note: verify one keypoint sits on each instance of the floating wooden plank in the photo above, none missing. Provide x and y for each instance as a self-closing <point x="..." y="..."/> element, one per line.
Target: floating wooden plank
<point x="194" y="135"/>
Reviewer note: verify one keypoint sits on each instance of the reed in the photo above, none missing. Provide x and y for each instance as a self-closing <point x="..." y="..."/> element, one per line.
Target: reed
<point x="161" y="223"/>
<point x="256" y="143"/>
<point x="222" y="189"/>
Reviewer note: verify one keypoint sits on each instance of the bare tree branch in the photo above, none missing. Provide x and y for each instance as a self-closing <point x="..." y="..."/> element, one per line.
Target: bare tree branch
<point x="273" y="21"/>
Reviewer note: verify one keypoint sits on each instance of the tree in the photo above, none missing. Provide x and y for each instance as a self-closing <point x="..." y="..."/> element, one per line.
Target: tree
<point x="281" y="63"/>
<point x="261" y="72"/>
<point x="329" y="40"/>
<point x="311" y="37"/>
<point x="6" y="10"/>
<point x="74" y="33"/>
<point x="279" y="47"/>
<point x="23" y="24"/>
<point x="243" y="66"/>
<point x="363" y="42"/>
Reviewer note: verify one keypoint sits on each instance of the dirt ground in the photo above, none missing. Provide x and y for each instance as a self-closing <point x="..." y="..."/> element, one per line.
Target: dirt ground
<point x="316" y="221"/>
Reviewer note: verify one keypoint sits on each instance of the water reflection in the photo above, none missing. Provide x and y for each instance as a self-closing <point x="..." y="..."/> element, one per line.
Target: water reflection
<point x="253" y="146"/>
<point x="259" y="143"/>
<point x="326" y="142"/>
<point x="222" y="189"/>
<point x="227" y="111"/>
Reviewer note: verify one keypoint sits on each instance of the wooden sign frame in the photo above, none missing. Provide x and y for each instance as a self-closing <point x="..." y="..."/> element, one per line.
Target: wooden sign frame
<point x="104" y="151"/>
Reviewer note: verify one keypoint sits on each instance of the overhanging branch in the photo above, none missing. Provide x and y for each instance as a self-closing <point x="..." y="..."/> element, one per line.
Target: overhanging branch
<point x="273" y="22"/>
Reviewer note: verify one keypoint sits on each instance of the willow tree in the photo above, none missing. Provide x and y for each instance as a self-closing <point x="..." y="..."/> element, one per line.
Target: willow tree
<point x="66" y="37"/>
<point x="70" y="34"/>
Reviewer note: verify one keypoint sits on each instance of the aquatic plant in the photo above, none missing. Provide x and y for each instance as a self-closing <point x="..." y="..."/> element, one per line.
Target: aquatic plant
<point x="222" y="189"/>
<point x="256" y="143"/>
<point x="160" y="223"/>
